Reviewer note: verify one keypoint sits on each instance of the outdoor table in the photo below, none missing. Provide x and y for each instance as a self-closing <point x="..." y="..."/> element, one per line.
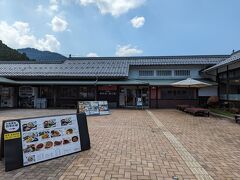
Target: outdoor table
<point x="182" y="107"/>
<point x="237" y="117"/>
<point x="197" y="111"/>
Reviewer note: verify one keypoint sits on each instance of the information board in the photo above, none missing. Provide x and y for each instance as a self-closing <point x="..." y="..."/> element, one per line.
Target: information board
<point x="33" y="140"/>
<point x="93" y="107"/>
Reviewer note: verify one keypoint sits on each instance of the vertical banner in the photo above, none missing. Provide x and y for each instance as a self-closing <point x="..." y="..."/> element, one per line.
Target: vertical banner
<point x="33" y="140"/>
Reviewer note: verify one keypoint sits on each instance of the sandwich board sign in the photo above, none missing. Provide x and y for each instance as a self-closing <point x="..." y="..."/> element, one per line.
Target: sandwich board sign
<point x="93" y="107"/>
<point x="29" y="141"/>
<point x="139" y="103"/>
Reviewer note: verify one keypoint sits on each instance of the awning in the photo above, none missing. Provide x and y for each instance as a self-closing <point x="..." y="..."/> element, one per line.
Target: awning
<point x="151" y="82"/>
<point x="123" y="82"/>
<point x="126" y="82"/>
<point x="4" y="80"/>
<point x="168" y="82"/>
<point x="57" y="82"/>
<point x="161" y="82"/>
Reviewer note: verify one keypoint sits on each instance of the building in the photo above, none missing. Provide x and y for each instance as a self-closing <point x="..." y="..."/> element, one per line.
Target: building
<point x="227" y="74"/>
<point x="119" y="80"/>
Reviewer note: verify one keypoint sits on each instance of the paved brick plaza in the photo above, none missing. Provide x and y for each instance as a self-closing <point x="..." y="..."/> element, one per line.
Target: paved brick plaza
<point x="139" y="144"/>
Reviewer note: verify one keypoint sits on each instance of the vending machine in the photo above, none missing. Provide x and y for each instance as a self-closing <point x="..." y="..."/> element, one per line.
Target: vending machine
<point x="28" y="96"/>
<point x="7" y="97"/>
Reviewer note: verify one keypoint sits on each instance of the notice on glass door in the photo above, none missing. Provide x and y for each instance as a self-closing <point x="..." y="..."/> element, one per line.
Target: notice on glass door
<point x="49" y="137"/>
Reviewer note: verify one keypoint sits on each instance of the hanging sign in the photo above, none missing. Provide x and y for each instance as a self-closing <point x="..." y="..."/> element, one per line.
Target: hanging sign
<point x="33" y="140"/>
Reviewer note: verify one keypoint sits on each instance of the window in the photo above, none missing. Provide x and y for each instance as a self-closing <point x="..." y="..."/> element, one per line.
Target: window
<point x="146" y="73"/>
<point x="164" y="73"/>
<point x="182" y="72"/>
<point x="87" y="93"/>
<point x="67" y="92"/>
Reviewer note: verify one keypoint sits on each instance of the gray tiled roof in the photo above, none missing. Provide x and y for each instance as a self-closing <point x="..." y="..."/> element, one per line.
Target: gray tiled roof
<point x="233" y="58"/>
<point x="98" y="66"/>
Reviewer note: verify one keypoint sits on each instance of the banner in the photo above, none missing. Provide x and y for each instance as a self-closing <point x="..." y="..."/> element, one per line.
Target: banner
<point x="33" y="140"/>
<point x="93" y="107"/>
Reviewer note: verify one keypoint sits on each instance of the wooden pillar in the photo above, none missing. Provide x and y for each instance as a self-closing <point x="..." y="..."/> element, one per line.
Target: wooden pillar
<point x="118" y="96"/>
<point x="227" y="87"/>
<point x="149" y="96"/>
<point x="217" y="80"/>
<point x="17" y="97"/>
<point x="54" y="96"/>
<point x="96" y="91"/>
<point x="157" y="96"/>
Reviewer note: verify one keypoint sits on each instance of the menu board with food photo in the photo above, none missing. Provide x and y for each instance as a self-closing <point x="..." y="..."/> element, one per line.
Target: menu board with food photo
<point x="103" y="107"/>
<point x="93" y="107"/>
<point x="49" y="137"/>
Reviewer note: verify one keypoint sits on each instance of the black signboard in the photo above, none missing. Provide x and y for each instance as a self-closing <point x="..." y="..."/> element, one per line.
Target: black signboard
<point x="33" y="140"/>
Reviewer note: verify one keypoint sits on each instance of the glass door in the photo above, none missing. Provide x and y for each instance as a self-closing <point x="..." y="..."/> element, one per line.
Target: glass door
<point x="128" y="96"/>
<point x="142" y="93"/>
<point x="131" y="96"/>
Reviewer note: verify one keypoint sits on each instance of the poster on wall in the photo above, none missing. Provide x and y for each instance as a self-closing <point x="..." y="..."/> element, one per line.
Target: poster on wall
<point x="33" y="140"/>
<point x="93" y="107"/>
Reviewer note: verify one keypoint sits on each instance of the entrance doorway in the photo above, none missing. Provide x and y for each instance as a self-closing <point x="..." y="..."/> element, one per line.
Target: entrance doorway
<point x="128" y="96"/>
<point x="131" y="97"/>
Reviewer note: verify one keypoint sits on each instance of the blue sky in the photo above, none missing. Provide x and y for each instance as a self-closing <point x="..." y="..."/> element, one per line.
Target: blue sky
<point x="122" y="27"/>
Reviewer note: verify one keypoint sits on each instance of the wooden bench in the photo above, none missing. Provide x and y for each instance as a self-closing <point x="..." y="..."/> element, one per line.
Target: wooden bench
<point x="237" y="118"/>
<point x="197" y="111"/>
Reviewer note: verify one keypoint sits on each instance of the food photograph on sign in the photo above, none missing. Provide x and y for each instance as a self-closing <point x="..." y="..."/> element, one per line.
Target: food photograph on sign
<point x="81" y="107"/>
<point x="93" y="107"/>
<point x="103" y="107"/>
<point x="47" y="138"/>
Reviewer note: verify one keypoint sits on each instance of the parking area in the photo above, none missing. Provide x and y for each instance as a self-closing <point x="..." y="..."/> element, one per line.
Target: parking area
<point x="143" y="144"/>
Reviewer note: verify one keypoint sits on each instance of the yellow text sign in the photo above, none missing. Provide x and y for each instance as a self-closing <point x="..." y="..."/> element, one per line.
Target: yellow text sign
<point x="10" y="136"/>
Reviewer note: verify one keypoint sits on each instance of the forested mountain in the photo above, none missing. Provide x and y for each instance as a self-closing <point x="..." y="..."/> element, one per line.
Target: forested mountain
<point x="9" y="54"/>
<point x="41" y="55"/>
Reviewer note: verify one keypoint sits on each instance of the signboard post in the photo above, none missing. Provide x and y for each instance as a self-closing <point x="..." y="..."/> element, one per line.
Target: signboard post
<point x="33" y="140"/>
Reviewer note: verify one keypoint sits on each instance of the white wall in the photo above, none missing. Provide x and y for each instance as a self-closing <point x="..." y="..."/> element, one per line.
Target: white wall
<point x="208" y="91"/>
<point x="194" y="71"/>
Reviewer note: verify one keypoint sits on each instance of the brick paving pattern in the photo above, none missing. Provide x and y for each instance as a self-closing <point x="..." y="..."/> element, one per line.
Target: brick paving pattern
<point x="128" y="144"/>
<point x="191" y="162"/>
<point x="213" y="142"/>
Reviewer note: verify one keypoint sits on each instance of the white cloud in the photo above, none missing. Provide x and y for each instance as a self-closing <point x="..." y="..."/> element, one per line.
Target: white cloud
<point x="51" y="9"/>
<point x="128" y="50"/>
<point x="49" y="43"/>
<point x="92" y="54"/>
<point x="114" y="7"/>
<point x="22" y="27"/>
<point x="18" y="35"/>
<point x="138" y="22"/>
<point x="53" y="6"/>
<point x="58" y="24"/>
<point x="39" y="8"/>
